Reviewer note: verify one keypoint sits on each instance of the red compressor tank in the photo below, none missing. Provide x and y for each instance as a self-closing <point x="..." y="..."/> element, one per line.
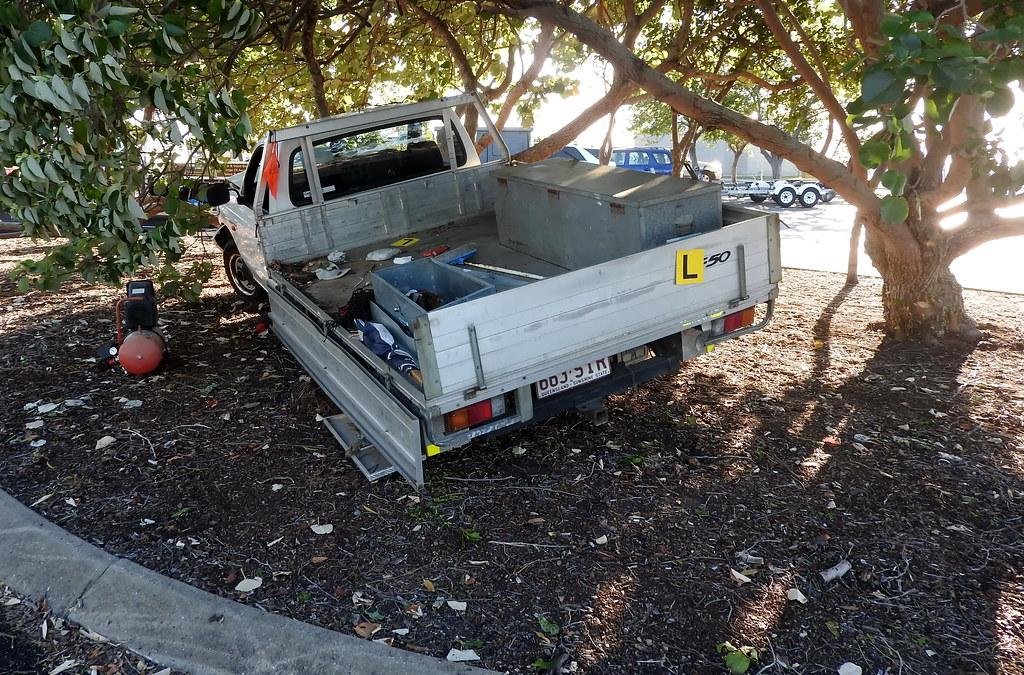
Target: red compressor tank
<point x="141" y="352"/>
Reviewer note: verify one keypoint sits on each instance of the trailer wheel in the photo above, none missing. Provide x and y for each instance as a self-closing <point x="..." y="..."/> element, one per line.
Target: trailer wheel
<point x="757" y="199"/>
<point x="809" y="198"/>
<point x="240" y="276"/>
<point x="786" y="197"/>
<point x="828" y="196"/>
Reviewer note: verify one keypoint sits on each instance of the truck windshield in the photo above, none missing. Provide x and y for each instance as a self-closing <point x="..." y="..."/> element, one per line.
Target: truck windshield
<point x="373" y="158"/>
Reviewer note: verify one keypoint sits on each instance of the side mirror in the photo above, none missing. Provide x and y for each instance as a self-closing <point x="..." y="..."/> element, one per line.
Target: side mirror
<point x="214" y="194"/>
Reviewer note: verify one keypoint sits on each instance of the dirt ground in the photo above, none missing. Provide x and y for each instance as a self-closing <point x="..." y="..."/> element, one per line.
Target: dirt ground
<point x="33" y="640"/>
<point x="640" y="546"/>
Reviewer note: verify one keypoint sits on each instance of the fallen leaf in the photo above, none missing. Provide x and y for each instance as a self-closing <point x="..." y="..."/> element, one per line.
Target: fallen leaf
<point x="317" y="559"/>
<point x="796" y="595"/>
<point x="401" y="631"/>
<point x="831" y="440"/>
<point x="104" y="442"/>
<point x="833" y="628"/>
<point x="836" y="571"/>
<point x="850" y="669"/>
<point x="74" y="402"/>
<point x="933" y="412"/>
<point x="603" y="539"/>
<point x="135" y="403"/>
<point x="67" y="665"/>
<point x="365" y="629"/>
<point x="34" y="424"/>
<point x="738" y="578"/>
<point x="10" y="602"/>
<point x="38" y="443"/>
<point x="457" y="605"/>
<point x="275" y="487"/>
<point x="518" y="451"/>
<point x="249" y="585"/>
<point x="41" y="499"/>
<point x="429" y="585"/>
<point x="42" y="410"/>
<point x="326" y="528"/>
<point x="462" y="655"/>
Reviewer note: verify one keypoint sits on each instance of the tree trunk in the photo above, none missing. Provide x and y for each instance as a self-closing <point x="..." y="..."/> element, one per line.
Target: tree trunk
<point x="774" y="163"/>
<point x="316" y="73"/>
<point x="921" y="299"/>
<point x="854" y="255"/>
<point x="736" y="154"/>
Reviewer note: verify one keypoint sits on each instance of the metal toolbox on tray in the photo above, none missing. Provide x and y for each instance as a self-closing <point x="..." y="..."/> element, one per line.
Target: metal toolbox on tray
<point x="576" y="214"/>
<point x="445" y="284"/>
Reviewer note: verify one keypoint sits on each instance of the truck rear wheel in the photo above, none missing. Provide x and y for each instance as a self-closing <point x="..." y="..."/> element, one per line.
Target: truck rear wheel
<point x="757" y="199"/>
<point x="240" y="276"/>
<point x="786" y="197"/>
<point x="809" y="198"/>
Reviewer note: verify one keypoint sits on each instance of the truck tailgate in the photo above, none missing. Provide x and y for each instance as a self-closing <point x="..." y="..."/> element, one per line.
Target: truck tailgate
<point x="521" y="334"/>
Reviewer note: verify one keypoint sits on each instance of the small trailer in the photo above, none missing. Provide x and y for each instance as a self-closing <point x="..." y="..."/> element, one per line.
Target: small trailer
<point x="783" y="192"/>
<point x="437" y="298"/>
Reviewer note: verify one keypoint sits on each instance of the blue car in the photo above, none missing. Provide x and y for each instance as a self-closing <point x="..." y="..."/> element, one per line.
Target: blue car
<point x="649" y="160"/>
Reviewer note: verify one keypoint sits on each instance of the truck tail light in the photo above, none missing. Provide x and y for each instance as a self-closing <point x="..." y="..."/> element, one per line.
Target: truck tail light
<point x="740" y="319"/>
<point x="474" y="415"/>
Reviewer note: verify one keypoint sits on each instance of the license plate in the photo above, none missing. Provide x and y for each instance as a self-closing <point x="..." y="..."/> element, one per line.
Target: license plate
<point x="567" y="379"/>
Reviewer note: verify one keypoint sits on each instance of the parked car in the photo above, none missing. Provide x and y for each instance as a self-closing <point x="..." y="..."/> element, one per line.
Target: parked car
<point x="577" y="153"/>
<point x="649" y="160"/>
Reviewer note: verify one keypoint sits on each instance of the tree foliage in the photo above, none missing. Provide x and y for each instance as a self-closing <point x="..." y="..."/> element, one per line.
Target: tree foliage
<point x="78" y="78"/>
<point x="931" y="72"/>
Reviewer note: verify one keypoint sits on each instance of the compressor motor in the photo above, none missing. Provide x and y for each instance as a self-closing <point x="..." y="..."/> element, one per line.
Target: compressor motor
<point x="140" y="348"/>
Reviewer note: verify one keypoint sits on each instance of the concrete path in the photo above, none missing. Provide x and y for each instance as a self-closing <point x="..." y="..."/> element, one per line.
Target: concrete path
<point x="175" y="624"/>
<point x="819" y="239"/>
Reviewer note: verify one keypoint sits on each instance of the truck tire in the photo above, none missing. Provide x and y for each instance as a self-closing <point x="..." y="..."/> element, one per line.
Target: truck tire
<point x="240" y="277"/>
<point x="786" y="197"/>
<point x="757" y="199"/>
<point x="828" y="196"/>
<point x="809" y="198"/>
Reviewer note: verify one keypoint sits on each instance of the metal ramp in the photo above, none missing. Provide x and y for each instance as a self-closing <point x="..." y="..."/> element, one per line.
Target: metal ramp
<point x="365" y="454"/>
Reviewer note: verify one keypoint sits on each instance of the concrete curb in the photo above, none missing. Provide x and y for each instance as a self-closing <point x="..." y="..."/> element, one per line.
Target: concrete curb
<point x="170" y="622"/>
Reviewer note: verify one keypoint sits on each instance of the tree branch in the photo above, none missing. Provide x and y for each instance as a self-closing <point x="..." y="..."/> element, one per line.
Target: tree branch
<point x="852" y="187"/>
<point x="817" y="85"/>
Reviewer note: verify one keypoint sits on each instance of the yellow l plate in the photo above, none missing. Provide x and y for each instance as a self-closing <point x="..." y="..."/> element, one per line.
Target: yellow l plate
<point x="690" y="266"/>
<point x="405" y="241"/>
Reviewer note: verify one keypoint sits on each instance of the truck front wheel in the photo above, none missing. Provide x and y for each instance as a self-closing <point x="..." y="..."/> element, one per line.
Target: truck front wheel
<point x="785" y="197"/>
<point x="240" y="276"/>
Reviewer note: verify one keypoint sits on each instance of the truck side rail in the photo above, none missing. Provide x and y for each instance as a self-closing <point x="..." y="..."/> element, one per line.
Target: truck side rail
<point x="516" y="336"/>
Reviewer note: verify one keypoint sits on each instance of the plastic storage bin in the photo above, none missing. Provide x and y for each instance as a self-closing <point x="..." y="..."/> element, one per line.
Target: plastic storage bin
<point x="450" y="285"/>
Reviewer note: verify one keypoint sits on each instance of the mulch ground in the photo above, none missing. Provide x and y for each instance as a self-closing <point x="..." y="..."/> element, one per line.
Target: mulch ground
<point x="34" y="640"/>
<point x="639" y="546"/>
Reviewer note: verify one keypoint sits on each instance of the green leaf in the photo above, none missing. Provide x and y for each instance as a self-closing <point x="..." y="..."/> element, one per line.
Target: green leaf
<point x="548" y="626"/>
<point x="931" y="110"/>
<point x="80" y="88"/>
<point x="737" y="662"/>
<point x="117" y="10"/>
<point x="895" y="209"/>
<point x="1000" y="103"/>
<point x="116" y="28"/>
<point x="894" y="181"/>
<point x="37" y="33"/>
<point x="879" y="87"/>
<point x="539" y="664"/>
<point x="874" y="153"/>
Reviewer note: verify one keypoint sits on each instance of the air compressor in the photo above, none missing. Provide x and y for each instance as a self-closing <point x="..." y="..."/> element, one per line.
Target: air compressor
<point x="140" y="348"/>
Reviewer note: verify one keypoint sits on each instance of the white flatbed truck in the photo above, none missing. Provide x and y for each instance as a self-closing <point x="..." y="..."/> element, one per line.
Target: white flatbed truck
<point x="551" y="331"/>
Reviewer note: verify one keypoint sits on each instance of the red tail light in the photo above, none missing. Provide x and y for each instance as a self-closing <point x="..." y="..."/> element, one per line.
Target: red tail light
<point x="471" y="416"/>
<point x="740" y="319"/>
